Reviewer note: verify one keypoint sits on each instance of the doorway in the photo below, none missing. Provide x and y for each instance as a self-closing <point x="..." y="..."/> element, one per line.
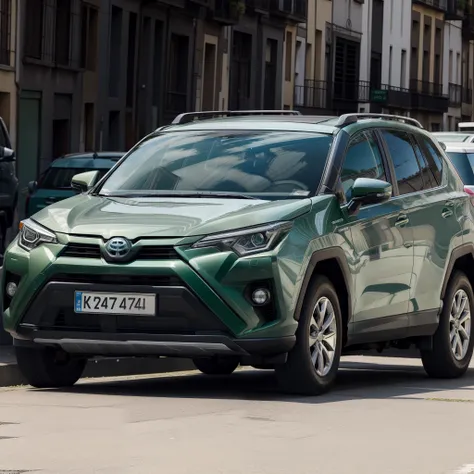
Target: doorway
<point x="209" y="79"/>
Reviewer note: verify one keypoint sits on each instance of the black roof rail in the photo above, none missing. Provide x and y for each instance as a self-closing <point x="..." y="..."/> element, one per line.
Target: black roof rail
<point x="348" y="119"/>
<point x="190" y="116"/>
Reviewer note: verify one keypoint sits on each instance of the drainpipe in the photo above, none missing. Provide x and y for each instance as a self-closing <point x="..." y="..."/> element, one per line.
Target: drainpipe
<point x="18" y="45"/>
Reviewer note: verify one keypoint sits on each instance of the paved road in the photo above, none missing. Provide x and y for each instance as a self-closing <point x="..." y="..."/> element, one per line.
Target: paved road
<point x="384" y="417"/>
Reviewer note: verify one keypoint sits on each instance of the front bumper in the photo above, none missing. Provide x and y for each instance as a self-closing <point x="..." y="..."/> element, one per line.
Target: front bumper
<point x="195" y="317"/>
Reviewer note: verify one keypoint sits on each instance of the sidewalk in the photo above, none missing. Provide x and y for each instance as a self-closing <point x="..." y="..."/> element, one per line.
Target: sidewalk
<point x="10" y="374"/>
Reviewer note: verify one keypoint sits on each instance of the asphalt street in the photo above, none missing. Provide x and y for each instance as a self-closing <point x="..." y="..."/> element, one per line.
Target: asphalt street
<point x="385" y="416"/>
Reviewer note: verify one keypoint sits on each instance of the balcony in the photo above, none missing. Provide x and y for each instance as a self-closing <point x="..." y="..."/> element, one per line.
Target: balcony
<point x="228" y="12"/>
<point x="468" y="24"/>
<point x="348" y="94"/>
<point x="456" y="10"/>
<point x="428" y="97"/>
<point x="391" y="97"/>
<point x="258" y="6"/>
<point x="455" y="94"/>
<point x="292" y="10"/>
<point x="440" y="5"/>
<point x="313" y="97"/>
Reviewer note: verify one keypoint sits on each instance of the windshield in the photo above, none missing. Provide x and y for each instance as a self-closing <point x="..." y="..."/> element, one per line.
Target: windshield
<point x="464" y="164"/>
<point x="268" y="164"/>
<point x="452" y="137"/>
<point x="60" y="178"/>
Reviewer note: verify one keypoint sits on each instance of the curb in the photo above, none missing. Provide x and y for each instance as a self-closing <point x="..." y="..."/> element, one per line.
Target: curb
<point x="10" y="373"/>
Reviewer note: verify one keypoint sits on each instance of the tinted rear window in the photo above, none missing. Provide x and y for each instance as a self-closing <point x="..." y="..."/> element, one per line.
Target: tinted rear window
<point x="464" y="164"/>
<point x="60" y="178"/>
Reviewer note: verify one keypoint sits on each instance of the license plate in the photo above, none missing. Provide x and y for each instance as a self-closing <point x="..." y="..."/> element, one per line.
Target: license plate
<point x="115" y="303"/>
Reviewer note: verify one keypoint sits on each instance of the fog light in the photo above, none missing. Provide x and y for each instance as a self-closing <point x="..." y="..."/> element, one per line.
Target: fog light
<point x="261" y="296"/>
<point x="11" y="289"/>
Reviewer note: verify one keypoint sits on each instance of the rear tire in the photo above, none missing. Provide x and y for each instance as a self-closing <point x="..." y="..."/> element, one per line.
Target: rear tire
<point x="312" y="364"/>
<point x="46" y="367"/>
<point x="453" y="343"/>
<point x="216" y="366"/>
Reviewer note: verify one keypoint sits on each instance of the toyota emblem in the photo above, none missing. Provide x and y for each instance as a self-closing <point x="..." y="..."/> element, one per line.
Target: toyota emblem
<point x="118" y="248"/>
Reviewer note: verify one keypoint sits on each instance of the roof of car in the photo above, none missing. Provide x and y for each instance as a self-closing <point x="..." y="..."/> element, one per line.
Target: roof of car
<point x="102" y="159"/>
<point x="460" y="147"/>
<point x="296" y="123"/>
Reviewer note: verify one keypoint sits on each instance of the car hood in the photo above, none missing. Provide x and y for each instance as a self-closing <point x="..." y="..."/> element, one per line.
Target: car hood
<point x="163" y="217"/>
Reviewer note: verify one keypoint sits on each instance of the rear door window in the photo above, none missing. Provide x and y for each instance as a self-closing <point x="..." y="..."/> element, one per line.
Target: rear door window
<point x="407" y="169"/>
<point x="60" y="178"/>
<point x="433" y="157"/>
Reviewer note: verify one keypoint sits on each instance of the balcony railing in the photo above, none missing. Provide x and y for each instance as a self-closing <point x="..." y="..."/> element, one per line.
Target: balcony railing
<point x="296" y="10"/>
<point x="436" y="4"/>
<point x="356" y="91"/>
<point x="428" y="96"/>
<point x="313" y="95"/>
<point x="260" y="6"/>
<point x="456" y="10"/>
<point x="391" y="96"/>
<point x="455" y="95"/>
<point x="229" y="12"/>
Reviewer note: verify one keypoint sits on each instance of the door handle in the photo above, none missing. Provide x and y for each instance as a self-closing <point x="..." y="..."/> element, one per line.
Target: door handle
<point x="402" y="221"/>
<point x="49" y="201"/>
<point x="447" y="209"/>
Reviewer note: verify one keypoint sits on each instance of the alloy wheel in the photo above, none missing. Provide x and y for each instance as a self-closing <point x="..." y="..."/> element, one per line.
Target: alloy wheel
<point x="460" y="324"/>
<point x="323" y="336"/>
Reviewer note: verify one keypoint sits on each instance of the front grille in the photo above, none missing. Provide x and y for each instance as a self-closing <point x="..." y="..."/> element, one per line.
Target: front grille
<point x="157" y="253"/>
<point x="135" y="280"/>
<point x="81" y="251"/>
<point x="75" y="250"/>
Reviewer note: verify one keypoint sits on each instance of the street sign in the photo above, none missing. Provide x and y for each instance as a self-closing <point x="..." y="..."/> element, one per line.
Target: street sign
<point x="378" y="95"/>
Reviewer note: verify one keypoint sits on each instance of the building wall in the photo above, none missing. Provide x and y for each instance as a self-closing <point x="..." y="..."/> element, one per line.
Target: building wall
<point x="452" y="69"/>
<point x="8" y="91"/>
<point x="348" y="14"/>
<point x="396" y="35"/>
<point x="289" y="66"/>
<point x="323" y="32"/>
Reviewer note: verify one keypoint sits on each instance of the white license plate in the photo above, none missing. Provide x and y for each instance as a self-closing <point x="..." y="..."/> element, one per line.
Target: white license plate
<point x="115" y="303"/>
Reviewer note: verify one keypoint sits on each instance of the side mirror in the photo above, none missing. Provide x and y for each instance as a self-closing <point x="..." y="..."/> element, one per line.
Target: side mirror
<point x="6" y="154"/>
<point x="32" y="187"/>
<point x="82" y="182"/>
<point x="368" y="191"/>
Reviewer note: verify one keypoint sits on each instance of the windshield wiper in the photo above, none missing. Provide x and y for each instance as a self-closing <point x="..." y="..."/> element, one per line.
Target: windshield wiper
<point x="189" y="194"/>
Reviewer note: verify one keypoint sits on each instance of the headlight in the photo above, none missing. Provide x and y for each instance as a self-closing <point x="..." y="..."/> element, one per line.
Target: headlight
<point x="32" y="234"/>
<point x="248" y="241"/>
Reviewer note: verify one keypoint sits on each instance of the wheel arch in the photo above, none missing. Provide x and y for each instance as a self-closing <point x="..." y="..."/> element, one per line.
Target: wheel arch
<point x="331" y="263"/>
<point x="461" y="258"/>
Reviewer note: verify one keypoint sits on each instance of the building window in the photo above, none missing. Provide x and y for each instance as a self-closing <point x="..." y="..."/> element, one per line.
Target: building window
<point x="89" y="28"/>
<point x="115" y="51"/>
<point x="5" y="32"/>
<point x="132" y="36"/>
<point x="34" y="29"/>
<point x="178" y="73"/>
<point x="403" y="70"/>
<point x="62" y="44"/>
<point x="288" y="56"/>
<point x="240" y="74"/>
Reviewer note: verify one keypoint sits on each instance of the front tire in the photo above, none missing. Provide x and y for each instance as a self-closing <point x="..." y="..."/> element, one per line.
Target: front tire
<point x="452" y="342"/>
<point x="312" y="364"/>
<point x="216" y="366"/>
<point x="46" y="367"/>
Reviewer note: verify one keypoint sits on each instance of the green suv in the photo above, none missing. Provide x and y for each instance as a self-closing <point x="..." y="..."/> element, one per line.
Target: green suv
<point x="276" y="240"/>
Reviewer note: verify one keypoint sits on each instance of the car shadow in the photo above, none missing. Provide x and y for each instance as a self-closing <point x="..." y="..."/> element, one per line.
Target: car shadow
<point x="356" y="380"/>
